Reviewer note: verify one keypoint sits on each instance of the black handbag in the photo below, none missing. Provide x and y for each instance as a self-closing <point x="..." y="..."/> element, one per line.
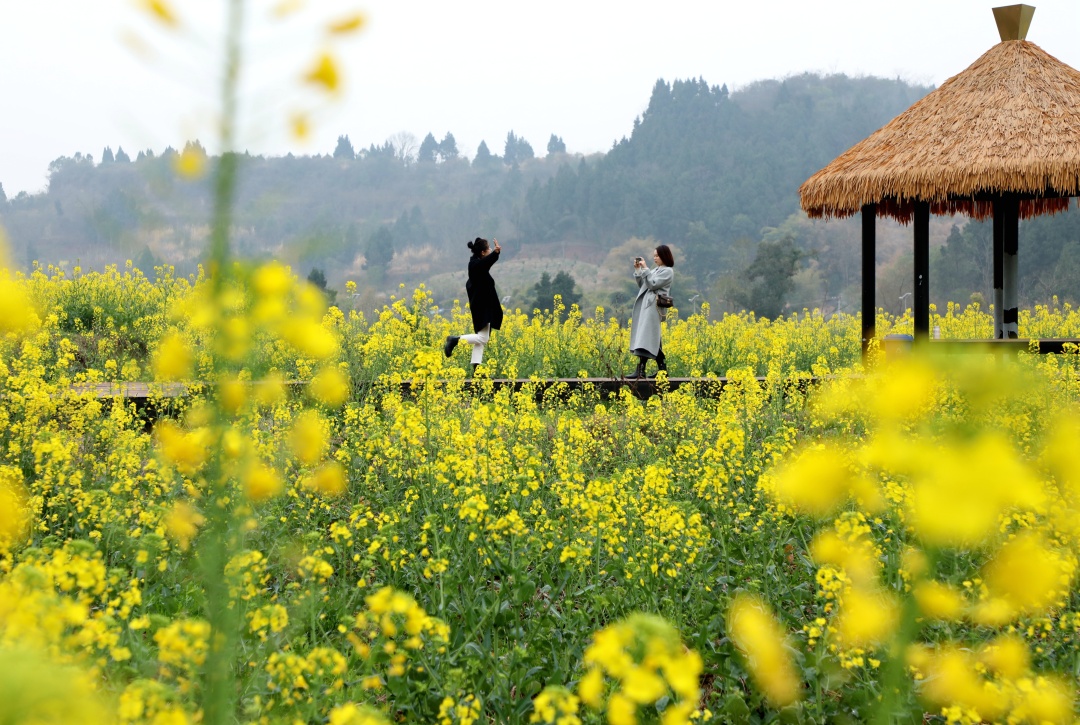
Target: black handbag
<point x="663" y="300"/>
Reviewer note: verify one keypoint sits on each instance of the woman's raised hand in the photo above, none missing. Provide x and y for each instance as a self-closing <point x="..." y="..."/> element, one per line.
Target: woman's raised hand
<point x="495" y="242"/>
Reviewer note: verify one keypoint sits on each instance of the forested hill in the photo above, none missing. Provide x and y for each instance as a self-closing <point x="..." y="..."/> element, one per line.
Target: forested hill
<point x="712" y="172"/>
<point x="730" y="162"/>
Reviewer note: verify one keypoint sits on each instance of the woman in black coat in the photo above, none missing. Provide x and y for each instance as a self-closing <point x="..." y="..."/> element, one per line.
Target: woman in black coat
<point x="487" y="311"/>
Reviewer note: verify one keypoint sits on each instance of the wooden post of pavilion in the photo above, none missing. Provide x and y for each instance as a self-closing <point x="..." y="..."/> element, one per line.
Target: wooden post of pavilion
<point x="1010" y="236"/>
<point x="921" y="298"/>
<point x="999" y="253"/>
<point x="869" y="275"/>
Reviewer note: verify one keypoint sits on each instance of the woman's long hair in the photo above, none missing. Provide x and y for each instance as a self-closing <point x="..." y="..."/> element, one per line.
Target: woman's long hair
<point x="666" y="257"/>
<point x="478" y="246"/>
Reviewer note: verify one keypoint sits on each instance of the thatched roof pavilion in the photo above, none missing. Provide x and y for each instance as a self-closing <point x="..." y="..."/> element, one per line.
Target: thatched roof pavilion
<point x="1000" y="139"/>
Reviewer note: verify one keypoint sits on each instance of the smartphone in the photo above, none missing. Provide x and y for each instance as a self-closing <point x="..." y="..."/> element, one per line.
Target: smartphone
<point x="639" y="259"/>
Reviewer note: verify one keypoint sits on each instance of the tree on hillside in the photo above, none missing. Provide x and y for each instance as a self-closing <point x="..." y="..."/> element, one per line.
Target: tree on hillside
<point x="404" y="145"/>
<point x="107" y="156"/>
<point x="121" y="156"/>
<point x="448" y="147"/>
<point x="429" y="150"/>
<point x="556" y="145"/>
<point x="344" y="149"/>
<point x="318" y="278"/>
<point x="70" y="172"/>
<point x="484" y="157"/>
<point x="379" y="249"/>
<point x="517" y="149"/>
<point x="3" y="196"/>
<point x="769" y="277"/>
<point x="146" y="262"/>
<point x="546" y="289"/>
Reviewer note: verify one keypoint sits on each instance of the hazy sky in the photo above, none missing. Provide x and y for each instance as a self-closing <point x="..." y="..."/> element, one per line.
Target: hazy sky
<point x="79" y="75"/>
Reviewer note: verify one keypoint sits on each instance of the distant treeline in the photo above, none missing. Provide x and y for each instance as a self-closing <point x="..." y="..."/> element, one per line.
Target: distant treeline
<point x="711" y="172"/>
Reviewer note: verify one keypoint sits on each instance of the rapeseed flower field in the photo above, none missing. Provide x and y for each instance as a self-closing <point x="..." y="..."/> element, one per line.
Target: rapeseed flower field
<point x="301" y="540"/>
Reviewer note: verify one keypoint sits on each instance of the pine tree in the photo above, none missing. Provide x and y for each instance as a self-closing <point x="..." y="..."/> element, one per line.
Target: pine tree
<point x="344" y="149"/>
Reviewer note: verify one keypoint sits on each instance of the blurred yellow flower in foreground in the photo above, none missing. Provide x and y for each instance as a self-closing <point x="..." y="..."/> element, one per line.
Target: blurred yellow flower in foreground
<point x="952" y="679"/>
<point x="940" y="601"/>
<point x="324" y="73"/>
<point x="173" y="359"/>
<point x="755" y="631"/>
<point x="643" y="654"/>
<point x="308" y="437"/>
<point x="1007" y="655"/>
<point x="188" y="451"/>
<point x="867" y="617"/>
<point x="329" y="480"/>
<point x="1028" y="574"/>
<point x="352" y="714"/>
<point x="191" y="163"/>
<point x="960" y="491"/>
<point x="262" y="482"/>
<point x="16" y="311"/>
<point x="815" y="482"/>
<point x="349" y="24"/>
<point x="35" y="690"/>
<point x="161" y="11"/>
<point x="330" y="387"/>
<point x="14" y="516"/>
<point x="182" y="523"/>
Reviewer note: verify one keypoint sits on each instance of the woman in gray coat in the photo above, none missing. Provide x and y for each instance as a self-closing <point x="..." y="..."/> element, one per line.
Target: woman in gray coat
<point x="645" y="324"/>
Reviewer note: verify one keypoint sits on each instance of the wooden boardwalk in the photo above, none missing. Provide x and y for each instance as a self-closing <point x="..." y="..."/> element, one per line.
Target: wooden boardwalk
<point x="143" y="393"/>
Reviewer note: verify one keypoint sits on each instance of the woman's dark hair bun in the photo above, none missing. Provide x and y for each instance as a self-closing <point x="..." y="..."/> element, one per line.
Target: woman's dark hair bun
<point x="477" y="245"/>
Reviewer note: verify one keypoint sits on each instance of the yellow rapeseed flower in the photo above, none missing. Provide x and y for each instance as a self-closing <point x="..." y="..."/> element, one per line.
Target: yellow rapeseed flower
<point x="1007" y="655"/>
<point x="352" y="714"/>
<point x="161" y="11"/>
<point x="952" y="679"/>
<point x="328" y="480"/>
<point x="961" y="491"/>
<point x="191" y="162"/>
<point x="188" y="451"/>
<point x="16" y="311"/>
<point x="1044" y="700"/>
<point x="867" y="617"/>
<point x="307" y="440"/>
<point x="347" y="25"/>
<point x="172" y="359"/>
<point x="14" y="516"/>
<point x="310" y="338"/>
<point x="262" y="482"/>
<point x="1028" y="574"/>
<point x="324" y="73"/>
<point x="815" y="482"/>
<point x="755" y="631"/>
<point x="939" y="601"/>
<point x="183" y="522"/>
<point x="330" y="387"/>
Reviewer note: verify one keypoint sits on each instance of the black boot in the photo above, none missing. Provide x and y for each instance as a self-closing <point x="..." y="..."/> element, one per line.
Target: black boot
<point x="639" y="373"/>
<point x="661" y="364"/>
<point x="449" y="345"/>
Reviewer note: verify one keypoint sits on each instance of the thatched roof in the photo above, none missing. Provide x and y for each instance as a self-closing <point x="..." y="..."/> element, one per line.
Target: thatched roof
<point x="1009" y="123"/>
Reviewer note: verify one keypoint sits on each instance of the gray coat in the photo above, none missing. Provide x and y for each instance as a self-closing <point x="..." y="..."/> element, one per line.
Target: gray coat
<point x="645" y="324"/>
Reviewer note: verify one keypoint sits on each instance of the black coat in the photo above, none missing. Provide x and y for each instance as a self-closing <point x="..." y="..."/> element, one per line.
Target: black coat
<point x="483" y="299"/>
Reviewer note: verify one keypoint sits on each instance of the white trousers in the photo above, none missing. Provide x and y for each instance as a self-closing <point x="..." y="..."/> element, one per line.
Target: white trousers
<point x="478" y="341"/>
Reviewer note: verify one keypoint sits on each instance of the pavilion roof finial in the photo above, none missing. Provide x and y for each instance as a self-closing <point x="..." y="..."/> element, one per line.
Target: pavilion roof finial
<point x="1013" y="21"/>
